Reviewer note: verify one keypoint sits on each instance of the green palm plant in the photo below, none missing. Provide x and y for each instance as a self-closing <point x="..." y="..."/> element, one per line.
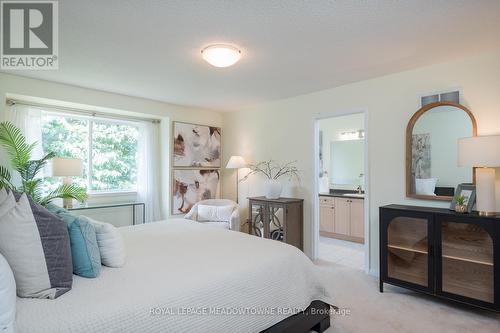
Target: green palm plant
<point x="19" y="153"/>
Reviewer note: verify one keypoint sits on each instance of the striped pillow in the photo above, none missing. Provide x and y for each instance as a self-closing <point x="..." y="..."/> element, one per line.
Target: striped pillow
<point x="36" y="245"/>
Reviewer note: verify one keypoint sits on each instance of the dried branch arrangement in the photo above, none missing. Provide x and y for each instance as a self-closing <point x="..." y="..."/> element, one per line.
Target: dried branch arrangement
<point x="273" y="170"/>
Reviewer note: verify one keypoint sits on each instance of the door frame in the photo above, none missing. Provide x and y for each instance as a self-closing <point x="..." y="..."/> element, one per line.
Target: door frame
<point x="315" y="224"/>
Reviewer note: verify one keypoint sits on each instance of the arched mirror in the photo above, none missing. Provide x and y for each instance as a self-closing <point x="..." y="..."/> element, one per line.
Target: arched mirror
<point x="432" y="172"/>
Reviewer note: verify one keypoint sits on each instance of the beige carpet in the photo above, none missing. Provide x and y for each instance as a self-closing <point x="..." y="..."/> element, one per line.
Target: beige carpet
<point x="397" y="310"/>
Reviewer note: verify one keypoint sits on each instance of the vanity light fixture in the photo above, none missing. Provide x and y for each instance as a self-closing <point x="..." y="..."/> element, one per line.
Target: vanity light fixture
<point x="352" y="135"/>
<point x="221" y="55"/>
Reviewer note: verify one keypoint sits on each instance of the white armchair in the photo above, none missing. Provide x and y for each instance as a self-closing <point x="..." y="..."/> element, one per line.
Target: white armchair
<point x="232" y="224"/>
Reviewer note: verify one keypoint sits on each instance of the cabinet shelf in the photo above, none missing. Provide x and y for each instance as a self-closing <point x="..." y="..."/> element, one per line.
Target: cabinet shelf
<point x="468" y="279"/>
<point x="467" y="242"/>
<point x="468" y="260"/>
<point x="418" y="249"/>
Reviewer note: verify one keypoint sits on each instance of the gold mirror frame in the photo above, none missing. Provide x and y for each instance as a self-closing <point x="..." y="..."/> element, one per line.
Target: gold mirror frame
<point x="409" y="133"/>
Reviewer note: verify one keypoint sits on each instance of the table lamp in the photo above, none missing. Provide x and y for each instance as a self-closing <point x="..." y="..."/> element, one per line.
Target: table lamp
<point x="236" y="162"/>
<point x="482" y="152"/>
<point x="67" y="168"/>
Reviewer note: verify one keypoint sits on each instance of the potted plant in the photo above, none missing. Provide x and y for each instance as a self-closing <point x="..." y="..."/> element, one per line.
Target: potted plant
<point x="19" y="152"/>
<point x="273" y="171"/>
<point x="461" y="206"/>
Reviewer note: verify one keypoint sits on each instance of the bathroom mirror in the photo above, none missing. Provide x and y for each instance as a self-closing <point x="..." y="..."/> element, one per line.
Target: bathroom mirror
<point x="347" y="162"/>
<point x="432" y="137"/>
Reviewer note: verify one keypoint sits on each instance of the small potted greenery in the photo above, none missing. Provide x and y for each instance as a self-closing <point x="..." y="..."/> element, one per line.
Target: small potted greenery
<point x="461" y="206"/>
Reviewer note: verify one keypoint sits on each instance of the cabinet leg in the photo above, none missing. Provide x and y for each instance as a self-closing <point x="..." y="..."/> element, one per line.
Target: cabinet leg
<point x="381" y="286"/>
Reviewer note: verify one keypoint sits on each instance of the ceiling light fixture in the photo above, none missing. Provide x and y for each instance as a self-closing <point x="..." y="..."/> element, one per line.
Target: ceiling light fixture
<point x="221" y="55"/>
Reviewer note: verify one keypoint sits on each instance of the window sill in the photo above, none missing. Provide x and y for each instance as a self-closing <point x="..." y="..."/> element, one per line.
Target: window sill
<point x="111" y="194"/>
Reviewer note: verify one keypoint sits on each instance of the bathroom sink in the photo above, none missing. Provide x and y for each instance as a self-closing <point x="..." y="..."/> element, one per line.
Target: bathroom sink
<point x="357" y="195"/>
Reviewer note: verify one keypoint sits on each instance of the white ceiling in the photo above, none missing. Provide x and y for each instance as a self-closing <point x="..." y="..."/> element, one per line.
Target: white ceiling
<point x="152" y="48"/>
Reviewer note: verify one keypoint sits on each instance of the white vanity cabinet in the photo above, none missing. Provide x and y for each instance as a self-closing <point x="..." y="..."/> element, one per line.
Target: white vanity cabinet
<point x="342" y="218"/>
<point x="326" y="214"/>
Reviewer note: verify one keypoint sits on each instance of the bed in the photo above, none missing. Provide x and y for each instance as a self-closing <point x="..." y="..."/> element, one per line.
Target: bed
<point x="183" y="276"/>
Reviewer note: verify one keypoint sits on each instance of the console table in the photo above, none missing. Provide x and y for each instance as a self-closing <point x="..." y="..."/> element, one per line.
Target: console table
<point x="116" y="205"/>
<point x="279" y="219"/>
<point x="442" y="253"/>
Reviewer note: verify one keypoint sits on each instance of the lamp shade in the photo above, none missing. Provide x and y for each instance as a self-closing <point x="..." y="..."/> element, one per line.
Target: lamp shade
<point x="67" y="167"/>
<point x="479" y="151"/>
<point x="236" y="162"/>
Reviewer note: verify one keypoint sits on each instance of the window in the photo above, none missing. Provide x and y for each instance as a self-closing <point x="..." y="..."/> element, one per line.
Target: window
<point x="108" y="149"/>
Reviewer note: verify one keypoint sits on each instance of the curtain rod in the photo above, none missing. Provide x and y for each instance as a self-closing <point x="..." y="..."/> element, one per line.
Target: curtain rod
<point x="83" y="112"/>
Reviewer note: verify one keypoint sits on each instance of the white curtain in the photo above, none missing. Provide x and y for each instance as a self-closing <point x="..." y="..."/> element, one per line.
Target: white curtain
<point x="148" y="171"/>
<point x="28" y="119"/>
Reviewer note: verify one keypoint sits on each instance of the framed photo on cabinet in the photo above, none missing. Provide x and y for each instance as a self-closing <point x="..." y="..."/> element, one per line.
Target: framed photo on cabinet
<point x="466" y="196"/>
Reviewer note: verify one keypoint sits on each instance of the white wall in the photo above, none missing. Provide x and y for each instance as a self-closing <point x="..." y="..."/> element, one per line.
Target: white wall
<point x="283" y="130"/>
<point x="72" y="96"/>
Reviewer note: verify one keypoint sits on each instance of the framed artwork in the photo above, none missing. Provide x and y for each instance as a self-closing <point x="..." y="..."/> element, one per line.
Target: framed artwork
<point x="196" y="146"/>
<point x="468" y="191"/>
<point x="191" y="186"/>
<point x="421" y="155"/>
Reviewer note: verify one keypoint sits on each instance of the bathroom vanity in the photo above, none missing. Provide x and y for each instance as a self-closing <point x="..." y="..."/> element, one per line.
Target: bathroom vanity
<point x="341" y="215"/>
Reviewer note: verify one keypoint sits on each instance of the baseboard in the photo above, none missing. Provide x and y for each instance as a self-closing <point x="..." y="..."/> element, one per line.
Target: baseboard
<point x="342" y="237"/>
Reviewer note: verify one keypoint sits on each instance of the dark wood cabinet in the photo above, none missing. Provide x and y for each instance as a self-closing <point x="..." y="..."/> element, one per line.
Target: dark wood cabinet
<point x="279" y="219"/>
<point x="441" y="253"/>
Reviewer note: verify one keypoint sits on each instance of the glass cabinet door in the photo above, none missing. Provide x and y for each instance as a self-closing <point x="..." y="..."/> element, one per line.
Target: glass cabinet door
<point x="267" y="220"/>
<point x="467" y="261"/>
<point x="276" y="218"/>
<point x="407" y="250"/>
<point x="257" y="219"/>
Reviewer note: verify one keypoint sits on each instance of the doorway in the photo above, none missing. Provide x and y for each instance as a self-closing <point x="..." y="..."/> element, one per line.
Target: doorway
<point x="341" y="225"/>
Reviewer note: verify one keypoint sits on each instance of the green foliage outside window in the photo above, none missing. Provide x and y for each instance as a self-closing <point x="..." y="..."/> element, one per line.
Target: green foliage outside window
<point x="114" y="156"/>
<point x="114" y="150"/>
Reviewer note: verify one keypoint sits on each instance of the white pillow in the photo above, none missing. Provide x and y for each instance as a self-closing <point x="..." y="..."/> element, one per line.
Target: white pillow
<point x="110" y="242"/>
<point x="7" y="297"/>
<point x="425" y="186"/>
<point x="208" y="213"/>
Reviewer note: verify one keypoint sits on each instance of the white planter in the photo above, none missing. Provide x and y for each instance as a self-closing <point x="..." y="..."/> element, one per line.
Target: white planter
<point x="273" y="189"/>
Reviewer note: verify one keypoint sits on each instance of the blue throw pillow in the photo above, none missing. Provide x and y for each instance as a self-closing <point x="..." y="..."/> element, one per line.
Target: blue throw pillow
<point x="84" y="247"/>
<point x="54" y="209"/>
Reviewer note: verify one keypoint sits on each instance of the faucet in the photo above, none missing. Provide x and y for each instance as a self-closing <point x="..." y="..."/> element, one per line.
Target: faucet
<point x="359" y="189"/>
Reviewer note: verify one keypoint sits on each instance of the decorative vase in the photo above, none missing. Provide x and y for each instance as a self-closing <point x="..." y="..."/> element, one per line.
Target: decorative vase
<point x="461" y="209"/>
<point x="273" y="189"/>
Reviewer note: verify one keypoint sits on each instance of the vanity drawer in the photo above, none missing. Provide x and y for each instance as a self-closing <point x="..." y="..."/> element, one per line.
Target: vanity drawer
<point x="324" y="200"/>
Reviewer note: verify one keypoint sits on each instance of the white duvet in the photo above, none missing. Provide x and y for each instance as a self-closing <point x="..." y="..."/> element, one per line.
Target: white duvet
<point x="183" y="276"/>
